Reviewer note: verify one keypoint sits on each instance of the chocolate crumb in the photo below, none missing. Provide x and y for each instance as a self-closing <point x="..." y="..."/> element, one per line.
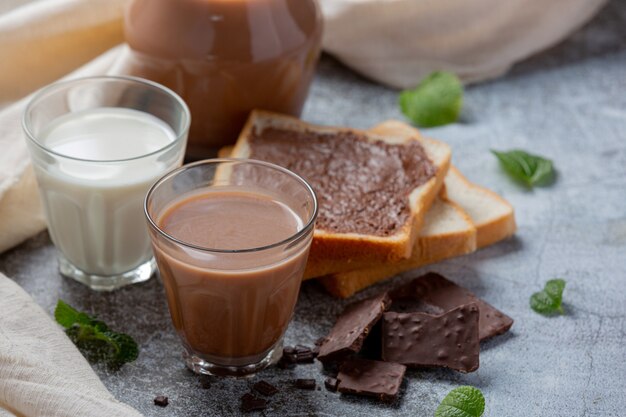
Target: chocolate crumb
<point x="305" y="357"/>
<point x="305" y="383"/>
<point x="265" y="388"/>
<point x="285" y="363"/>
<point x="205" y="383"/>
<point x="161" y="401"/>
<point x="302" y="349"/>
<point x="331" y="384"/>
<point x="251" y="403"/>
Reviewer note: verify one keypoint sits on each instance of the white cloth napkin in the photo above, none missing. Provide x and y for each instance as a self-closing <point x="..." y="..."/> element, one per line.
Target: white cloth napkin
<point x="398" y="42"/>
<point x="41" y="371"/>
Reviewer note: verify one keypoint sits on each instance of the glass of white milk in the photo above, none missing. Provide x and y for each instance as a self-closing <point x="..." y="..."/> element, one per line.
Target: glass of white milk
<point x="97" y="144"/>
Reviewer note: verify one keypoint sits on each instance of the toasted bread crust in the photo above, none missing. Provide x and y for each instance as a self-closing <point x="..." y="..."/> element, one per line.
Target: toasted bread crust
<point x="341" y="246"/>
<point x="428" y="249"/>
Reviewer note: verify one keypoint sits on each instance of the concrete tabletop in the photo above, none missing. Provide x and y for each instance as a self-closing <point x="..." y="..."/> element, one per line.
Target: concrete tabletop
<point x="568" y="104"/>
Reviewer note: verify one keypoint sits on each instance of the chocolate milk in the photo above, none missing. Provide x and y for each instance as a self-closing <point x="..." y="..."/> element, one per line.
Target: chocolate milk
<point x="226" y="58"/>
<point x="230" y="308"/>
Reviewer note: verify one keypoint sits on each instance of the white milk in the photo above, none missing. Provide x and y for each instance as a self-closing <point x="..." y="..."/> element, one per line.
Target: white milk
<point x="95" y="208"/>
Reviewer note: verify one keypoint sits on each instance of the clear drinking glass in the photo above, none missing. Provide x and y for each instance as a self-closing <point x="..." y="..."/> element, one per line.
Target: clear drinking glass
<point x="96" y="145"/>
<point x="231" y="307"/>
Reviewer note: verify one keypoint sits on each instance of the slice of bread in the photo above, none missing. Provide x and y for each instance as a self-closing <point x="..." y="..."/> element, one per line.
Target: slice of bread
<point x="447" y="232"/>
<point x="492" y="217"/>
<point x="347" y="246"/>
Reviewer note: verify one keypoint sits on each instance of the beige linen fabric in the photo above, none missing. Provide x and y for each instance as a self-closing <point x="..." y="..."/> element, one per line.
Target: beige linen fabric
<point x="41" y="372"/>
<point x="39" y="43"/>
<point x="398" y="42"/>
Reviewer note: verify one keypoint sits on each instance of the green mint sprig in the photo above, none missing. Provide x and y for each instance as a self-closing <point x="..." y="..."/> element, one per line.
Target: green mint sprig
<point x="464" y="401"/>
<point x="549" y="300"/>
<point x="436" y="101"/>
<point x="530" y="170"/>
<point x="93" y="337"/>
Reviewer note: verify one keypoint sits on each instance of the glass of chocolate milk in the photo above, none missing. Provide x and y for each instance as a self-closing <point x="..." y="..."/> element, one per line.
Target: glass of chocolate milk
<point x="231" y="239"/>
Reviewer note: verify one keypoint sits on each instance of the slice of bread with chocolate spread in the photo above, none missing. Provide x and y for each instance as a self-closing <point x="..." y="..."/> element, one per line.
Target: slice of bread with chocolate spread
<point x="492" y="217"/>
<point x="373" y="190"/>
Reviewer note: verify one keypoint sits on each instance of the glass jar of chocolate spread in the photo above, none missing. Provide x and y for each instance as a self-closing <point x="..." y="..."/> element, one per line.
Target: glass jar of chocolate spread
<point x="225" y="58"/>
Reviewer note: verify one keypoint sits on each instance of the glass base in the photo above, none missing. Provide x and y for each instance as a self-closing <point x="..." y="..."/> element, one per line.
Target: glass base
<point x="204" y="367"/>
<point x="108" y="282"/>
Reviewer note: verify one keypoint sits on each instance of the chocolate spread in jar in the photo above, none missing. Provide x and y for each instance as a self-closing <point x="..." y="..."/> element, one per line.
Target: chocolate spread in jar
<point x="362" y="186"/>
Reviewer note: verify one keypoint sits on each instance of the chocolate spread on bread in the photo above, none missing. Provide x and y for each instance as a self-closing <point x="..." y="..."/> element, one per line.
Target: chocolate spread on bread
<point x="362" y="186"/>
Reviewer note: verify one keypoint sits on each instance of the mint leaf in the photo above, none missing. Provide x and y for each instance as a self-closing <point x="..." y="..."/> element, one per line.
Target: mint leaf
<point x="436" y="101"/>
<point x="549" y="300"/>
<point x="94" y="338"/>
<point x="66" y="315"/>
<point x="526" y="168"/>
<point x="464" y="401"/>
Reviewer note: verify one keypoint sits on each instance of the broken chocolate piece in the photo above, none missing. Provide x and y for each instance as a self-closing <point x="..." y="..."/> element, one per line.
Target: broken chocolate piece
<point x="352" y="327"/>
<point x="284" y="363"/>
<point x="417" y="339"/>
<point x="372" y="378"/>
<point x="161" y="401"/>
<point x="305" y="357"/>
<point x="251" y="403"/>
<point x="432" y="293"/>
<point x="265" y="388"/>
<point x="331" y="384"/>
<point x="305" y="384"/>
<point x="205" y="383"/>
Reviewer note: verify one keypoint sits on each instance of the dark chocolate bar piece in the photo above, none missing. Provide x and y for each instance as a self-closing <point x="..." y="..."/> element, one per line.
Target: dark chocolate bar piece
<point x="352" y="327"/>
<point x="265" y="388"/>
<point x="433" y="293"/>
<point x="371" y="378"/>
<point x="251" y="403"/>
<point x="418" y="339"/>
<point x="305" y="383"/>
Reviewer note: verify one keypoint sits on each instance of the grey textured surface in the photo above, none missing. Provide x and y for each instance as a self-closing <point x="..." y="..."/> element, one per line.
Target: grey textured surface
<point x="568" y="104"/>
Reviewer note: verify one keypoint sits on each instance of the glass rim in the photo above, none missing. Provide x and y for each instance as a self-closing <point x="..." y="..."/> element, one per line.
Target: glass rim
<point x="309" y="223"/>
<point x="50" y="88"/>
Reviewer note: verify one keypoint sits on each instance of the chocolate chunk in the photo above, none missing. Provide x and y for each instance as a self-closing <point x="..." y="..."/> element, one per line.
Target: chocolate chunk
<point x="331" y="384"/>
<point x="161" y="401"/>
<point x="432" y="293"/>
<point x="305" y="357"/>
<point x="305" y="384"/>
<point x="352" y="327"/>
<point x="205" y="383"/>
<point x="285" y="363"/>
<point x="251" y="403"/>
<point x="417" y="339"/>
<point x="265" y="388"/>
<point x="289" y="355"/>
<point x="372" y="378"/>
<point x="302" y="349"/>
